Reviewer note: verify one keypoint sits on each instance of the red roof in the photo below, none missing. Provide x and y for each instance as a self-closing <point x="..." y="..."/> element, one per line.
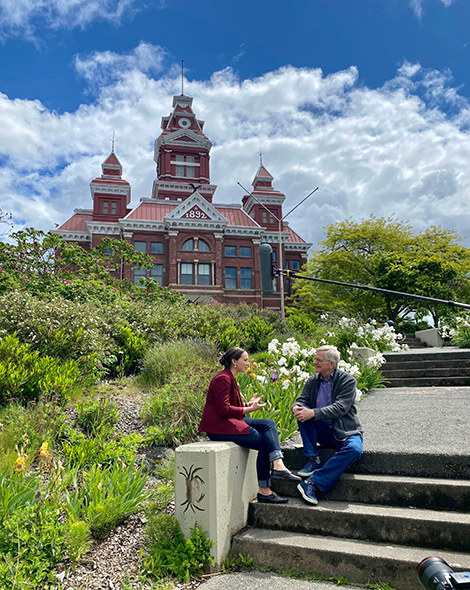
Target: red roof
<point x="77" y="222"/>
<point x="263" y="172"/>
<point x="119" y="181"/>
<point x="236" y="217"/>
<point x="152" y="211"/>
<point x="112" y="160"/>
<point x="293" y="237"/>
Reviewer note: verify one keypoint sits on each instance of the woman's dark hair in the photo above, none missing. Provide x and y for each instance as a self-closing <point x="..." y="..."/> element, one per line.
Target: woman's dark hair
<point x="234" y="352"/>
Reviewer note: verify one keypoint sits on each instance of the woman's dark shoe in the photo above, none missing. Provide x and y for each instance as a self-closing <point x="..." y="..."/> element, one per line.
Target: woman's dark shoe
<point x="272" y="499"/>
<point x="286" y="475"/>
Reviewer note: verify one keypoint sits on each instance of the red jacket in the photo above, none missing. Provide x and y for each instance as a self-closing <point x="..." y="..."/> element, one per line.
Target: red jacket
<point x="223" y="412"/>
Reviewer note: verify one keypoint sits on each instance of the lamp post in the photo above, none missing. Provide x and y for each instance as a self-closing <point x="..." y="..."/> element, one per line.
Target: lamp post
<point x="281" y="262"/>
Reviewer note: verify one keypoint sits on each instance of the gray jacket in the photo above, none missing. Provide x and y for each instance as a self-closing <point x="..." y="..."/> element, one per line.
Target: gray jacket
<point x="342" y="411"/>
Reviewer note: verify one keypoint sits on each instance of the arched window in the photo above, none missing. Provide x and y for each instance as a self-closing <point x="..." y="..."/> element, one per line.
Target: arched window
<point x="188" y="246"/>
<point x="203" y="246"/>
<point x="195" y="245"/>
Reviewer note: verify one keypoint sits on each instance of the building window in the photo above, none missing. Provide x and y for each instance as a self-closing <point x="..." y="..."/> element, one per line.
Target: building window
<point x="245" y="251"/>
<point x="105" y="207"/>
<point x="139" y="273"/>
<point x="184" y="166"/>
<point x="140" y="246"/>
<point x="188" y="246"/>
<point x="230" y="277"/>
<point x="113" y="208"/>
<point x="274" y="255"/>
<point x="156" y="247"/>
<point x="295" y="265"/>
<point x="265" y="217"/>
<point x="187" y="273"/>
<point x="196" y="245"/>
<point x="203" y="246"/>
<point x="286" y="264"/>
<point x="156" y="273"/>
<point x="108" y="251"/>
<point x="271" y="218"/>
<point x="203" y="273"/>
<point x="230" y="250"/>
<point x="246" y="281"/>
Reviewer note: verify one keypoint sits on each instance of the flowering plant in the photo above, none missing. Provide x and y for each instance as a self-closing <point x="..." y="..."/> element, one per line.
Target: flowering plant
<point x="282" y="374"/>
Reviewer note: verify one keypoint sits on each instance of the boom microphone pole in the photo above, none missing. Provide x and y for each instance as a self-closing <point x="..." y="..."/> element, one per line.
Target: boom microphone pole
<point x="267" y="272"/>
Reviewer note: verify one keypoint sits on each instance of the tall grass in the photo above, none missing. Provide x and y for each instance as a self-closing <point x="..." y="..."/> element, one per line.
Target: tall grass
<point x="177" y="376"/>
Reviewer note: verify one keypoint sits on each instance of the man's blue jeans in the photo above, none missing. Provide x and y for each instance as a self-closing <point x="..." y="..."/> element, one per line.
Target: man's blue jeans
<point x="263" y="437"/>
<point x="347" y="452"/>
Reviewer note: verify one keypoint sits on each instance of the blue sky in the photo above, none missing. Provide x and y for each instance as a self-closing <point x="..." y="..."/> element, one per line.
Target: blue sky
<point x="369" y="100"/>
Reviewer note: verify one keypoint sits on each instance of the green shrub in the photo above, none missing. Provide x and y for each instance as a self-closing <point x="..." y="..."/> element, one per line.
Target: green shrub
<point x="77" y="539"/>
<point x="29" y="427"/>
<point x="26" y="376"/>
<point x="133" y="346"/>
<point x="171" y="555"/>
<point x="107" y="496"/>
<point x="82" y="451"/>
<point x="32" y="538"/>
<point x="100" y="415"/>
<point x="256" y="334"/>
<point x="174" y="411"/>
<point x="164" y="360"/>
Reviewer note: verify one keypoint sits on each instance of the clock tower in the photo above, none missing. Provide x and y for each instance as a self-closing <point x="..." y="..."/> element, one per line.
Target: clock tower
<point x="182" y="155"/>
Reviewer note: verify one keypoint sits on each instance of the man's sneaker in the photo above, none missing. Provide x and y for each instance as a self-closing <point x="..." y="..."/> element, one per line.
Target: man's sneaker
<point x="311" y="466"/>
<point x="307" y="491"/>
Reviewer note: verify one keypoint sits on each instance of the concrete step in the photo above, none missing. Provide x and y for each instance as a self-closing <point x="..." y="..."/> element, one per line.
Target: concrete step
<point x="437" y="530"/>
<point x="399" y="370"/>
<point x="429" y="354"/>
<point x="458" y="381"/>
<point x="360" y="562"/>
<point x="424" y="364"/>
<point x="386" y="490"/>
<point x="439" y="466"/>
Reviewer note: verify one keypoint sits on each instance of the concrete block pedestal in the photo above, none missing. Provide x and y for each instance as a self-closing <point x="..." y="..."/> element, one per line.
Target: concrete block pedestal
<point x="214" y="483"/>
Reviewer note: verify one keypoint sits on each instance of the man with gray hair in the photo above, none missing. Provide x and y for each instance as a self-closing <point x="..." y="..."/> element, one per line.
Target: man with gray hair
<point x="326" y="414"/>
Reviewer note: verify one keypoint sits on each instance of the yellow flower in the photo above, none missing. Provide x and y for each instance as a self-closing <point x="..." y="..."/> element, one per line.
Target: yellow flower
<point x="20" y="462"/>
<point x="255" y="365"/>
<point x="43" y="453"/>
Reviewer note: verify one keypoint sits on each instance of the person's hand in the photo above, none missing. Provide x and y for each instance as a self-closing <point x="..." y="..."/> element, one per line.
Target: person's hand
<point x="254" y="404"/>
<point x="302" y="414"/>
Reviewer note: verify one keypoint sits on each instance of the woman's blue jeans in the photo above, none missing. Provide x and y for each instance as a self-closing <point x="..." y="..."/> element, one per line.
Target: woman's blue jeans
<point x="263" y="438"/>
<point x="347" y="451"/>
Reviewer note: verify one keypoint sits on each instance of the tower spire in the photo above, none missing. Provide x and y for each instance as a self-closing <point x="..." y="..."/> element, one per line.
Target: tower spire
<point x="112" y="140"/>
<point x="182" y="77"/>
<point x="260" y="156"/>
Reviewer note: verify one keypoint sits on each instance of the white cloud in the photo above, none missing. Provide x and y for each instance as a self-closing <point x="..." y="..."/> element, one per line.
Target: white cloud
<point x="417" y="6"/>
<point x="21" y="17"/>
<point x="390" y="150"/>
<point x="101" y="68"/>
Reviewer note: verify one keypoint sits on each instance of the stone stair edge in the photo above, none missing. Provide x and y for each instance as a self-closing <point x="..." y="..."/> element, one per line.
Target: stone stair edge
<point x="359" y="561"/>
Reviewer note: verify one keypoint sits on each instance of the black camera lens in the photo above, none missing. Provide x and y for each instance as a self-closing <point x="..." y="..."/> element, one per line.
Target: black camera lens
<point x="433" y="573"/>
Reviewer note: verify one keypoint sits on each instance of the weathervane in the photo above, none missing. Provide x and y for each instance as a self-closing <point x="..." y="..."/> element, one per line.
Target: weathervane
<point x="260" y="156"/>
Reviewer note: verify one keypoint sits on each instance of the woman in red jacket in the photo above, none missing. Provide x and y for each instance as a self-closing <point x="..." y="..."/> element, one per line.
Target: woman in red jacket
<point x="223" y="419"/>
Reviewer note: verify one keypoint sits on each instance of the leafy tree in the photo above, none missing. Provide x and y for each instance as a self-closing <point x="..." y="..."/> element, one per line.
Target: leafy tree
<point x="434" y="265"/>
<point x="47" y="255"/>
<point x="384" y="252"/>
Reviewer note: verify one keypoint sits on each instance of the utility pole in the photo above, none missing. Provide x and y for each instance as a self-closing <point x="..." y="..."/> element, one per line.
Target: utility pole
<point x="281" y="263"/>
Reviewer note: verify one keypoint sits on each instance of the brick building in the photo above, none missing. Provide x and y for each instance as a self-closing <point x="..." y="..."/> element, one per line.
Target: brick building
<point x="201" y="248"/>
